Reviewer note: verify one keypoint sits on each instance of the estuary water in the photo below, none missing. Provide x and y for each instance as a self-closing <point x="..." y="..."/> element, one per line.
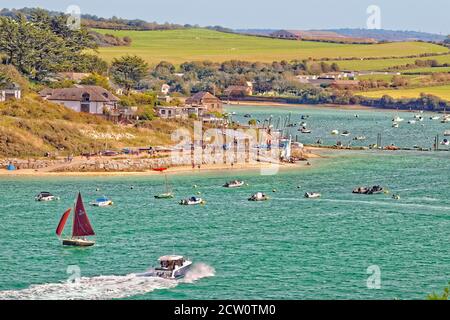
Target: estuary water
<point x="286" y="248"/>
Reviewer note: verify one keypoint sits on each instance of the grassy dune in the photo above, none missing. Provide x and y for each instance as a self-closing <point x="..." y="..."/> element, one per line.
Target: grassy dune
<point x="440" y="91"/>
<point x="31" y="127"/>
<point x="178" y="46"/>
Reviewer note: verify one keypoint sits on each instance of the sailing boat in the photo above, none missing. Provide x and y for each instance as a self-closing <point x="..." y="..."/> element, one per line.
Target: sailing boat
<point x="81" y="227"/>
<point x="168" y="193"/>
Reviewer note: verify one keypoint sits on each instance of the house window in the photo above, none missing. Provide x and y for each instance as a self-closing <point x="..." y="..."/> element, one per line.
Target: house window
<point x="85" y="107"/>
<point x="86" y="97"/>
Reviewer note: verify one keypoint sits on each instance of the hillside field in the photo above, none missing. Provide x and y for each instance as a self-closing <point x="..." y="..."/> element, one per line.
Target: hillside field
<point x="440" y="91"/>
<point x="178" y="46"/>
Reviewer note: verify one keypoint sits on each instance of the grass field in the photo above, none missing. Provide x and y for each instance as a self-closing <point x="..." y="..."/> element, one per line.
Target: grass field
<point x="178" y="46"/>
<point x="427" y="70"/>
<point x="440" y="91"/>
<point x="382" y="64"/>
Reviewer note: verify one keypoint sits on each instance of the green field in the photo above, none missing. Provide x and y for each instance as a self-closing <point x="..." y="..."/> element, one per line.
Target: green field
<point x="427" y="70"/>
<point x="178" y="46"/>
<point x="440" y="91"/>
<point x="382" y="64"/>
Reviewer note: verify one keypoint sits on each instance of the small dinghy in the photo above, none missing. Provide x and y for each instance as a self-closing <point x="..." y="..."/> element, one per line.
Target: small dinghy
<point x="192" y="201"/>
<point x="304" y="130"/>
<point x="397" y="119"/>
<point x="435" y="118"/>
<point x="170" y="267"/>
<point x="45" y="197"/>
<point x="412" y="121"/>
<point x="102" y="202"/>
<point x="395" y="125"/>
<point x="312" y="195"/>
<point x="396" y="197"/>
<point x="81" y="227"/>
<point x="359" y="138"/>
<point x="259" y="197"/>
<point x="234" y="184"/>
<point x="345" y="133"/>
<point x="335" y="132"/>
<point x="445" y="142"/>
<point x="247" y="115"/>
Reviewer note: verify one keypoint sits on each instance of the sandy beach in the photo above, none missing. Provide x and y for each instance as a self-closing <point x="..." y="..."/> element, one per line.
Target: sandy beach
<point x="171" y="170"/>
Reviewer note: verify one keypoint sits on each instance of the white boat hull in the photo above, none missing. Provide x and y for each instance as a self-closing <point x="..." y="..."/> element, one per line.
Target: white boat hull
<point x="176" y="274"/>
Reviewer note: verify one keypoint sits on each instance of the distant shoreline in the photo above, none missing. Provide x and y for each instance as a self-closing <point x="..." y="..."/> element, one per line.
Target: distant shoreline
<point x="326" y="106"/>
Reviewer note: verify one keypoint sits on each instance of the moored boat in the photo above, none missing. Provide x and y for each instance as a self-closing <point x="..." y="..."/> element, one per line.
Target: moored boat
<point x="234" y="184"/>
<point x="335" y="132"/>
<point x="345" y="133"/>
<point x="45" y="196"/>
<point x="397" y="119"/>
<point x="192" y="201"/>
<point x="168" y="194"/>
<point x="304" y="130"/>
<point x="259" y="197"/>
<point x="170" y="267"/>
<point x="369" y="190"/>
<point x="102" y="202"/>
<point x="395" y="125"/>
<point x="312" y="195"/>
<point x="81" y="227"/>
<point x="445" y="142"/>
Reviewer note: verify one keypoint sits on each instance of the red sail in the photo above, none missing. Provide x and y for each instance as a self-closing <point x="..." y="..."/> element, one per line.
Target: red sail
<point x="62" y="222"/>
<point x="81" y="225"/>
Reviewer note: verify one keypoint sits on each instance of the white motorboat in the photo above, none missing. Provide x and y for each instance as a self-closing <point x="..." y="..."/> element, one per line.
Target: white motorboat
<point x="312" y="195"/>
<point x="359" y="138"/>
<point x="395" y="125"/>
<point x="170" y="267"/>
<point x="234" y="184"/>
<point x="335" y="132"/>
<point x="445" y="142"/>
<point x="102" y="202"/>
<point x="435" y="118"/>
<point x="192" y="201"/>
<point x="412" y="121"/>
<point x="447" y="133"/>
<point x="258" y="197"/>
<point x="345" y="133"/>
<point x="397" y="119"/>
<point x="45" y="197"/>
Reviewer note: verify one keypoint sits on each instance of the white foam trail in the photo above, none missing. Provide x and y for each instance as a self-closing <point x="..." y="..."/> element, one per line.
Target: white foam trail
<point x="198" y="271"/>
<point x="104" y="287"/>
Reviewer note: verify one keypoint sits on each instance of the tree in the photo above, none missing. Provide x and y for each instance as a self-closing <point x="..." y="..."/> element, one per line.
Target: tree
<point x="96" y="80"/>
<point x="42" y="44"/>
<point x="128" y="71"/>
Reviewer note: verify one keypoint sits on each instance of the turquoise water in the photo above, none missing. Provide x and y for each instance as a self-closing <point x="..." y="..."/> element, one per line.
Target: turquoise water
<point x="286" y="248"/>
<point x="369" y="123"/>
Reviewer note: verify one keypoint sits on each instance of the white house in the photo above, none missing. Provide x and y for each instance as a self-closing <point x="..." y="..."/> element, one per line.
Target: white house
<point x="89" y="99"/>
<point x="10" y="91"/>
<point x="165" y="88"/>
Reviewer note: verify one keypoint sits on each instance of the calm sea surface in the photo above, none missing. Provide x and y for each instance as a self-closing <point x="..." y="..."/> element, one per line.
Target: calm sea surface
<point x="286" y="248"/>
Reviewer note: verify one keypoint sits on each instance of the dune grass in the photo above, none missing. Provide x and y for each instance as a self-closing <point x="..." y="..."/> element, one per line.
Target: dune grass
<point x="32" y="127"/>
<point x="178" y="46"/>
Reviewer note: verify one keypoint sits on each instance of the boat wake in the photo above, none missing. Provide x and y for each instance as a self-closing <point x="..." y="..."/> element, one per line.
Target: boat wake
<point x="105" y="287"/>
<point x="197" y="272"/>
